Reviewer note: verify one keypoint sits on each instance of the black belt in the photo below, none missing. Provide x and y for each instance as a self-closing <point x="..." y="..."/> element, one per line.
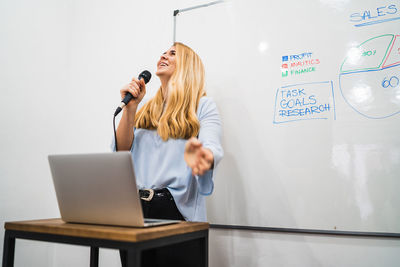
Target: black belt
<point x="149" y="194"/>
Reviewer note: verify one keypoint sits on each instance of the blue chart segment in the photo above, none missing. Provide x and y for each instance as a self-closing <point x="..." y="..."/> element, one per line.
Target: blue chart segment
<point x="369" y="78"/>
<point x="307" y="101"/>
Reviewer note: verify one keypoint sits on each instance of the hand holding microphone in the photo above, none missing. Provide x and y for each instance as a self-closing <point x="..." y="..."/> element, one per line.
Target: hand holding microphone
<point x="134" y="91"/>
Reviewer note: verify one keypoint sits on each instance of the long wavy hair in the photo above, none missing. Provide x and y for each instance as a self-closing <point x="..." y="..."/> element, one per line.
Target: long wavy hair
<point x="178" y="119"/>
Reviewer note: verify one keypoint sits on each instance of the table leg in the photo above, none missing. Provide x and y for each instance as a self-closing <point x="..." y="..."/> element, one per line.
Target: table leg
<point x="191" y="253"/>
<point x="8" y="250"/>
<point x="204" y="251"/>
<point x="133" y="257"/>
<point x="94" y="256"/>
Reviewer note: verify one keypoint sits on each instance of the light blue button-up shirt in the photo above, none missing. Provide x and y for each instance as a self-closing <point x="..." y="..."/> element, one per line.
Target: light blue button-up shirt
<point x="160" y="164"/>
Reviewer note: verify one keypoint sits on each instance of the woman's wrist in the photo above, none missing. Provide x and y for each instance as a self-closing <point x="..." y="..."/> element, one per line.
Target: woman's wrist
<point x="129" y="114"/>
<point x="132" y="106"/>
<point x="211" y="159"/>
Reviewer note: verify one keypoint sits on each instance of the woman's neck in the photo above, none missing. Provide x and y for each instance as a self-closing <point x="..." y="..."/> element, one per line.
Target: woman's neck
<point x="164" y="88"/>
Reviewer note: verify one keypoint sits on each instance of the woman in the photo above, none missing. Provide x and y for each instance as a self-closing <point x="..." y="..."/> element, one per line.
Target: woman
<point x="174" y="138"/>
<point x="175" y="141"/>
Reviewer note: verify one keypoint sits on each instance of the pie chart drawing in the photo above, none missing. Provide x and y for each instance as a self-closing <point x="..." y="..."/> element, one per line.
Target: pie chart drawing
<point x="369" y="78"/>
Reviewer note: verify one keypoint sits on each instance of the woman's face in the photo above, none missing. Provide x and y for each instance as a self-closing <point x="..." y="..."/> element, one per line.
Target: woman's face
<point x="166" y="64"/>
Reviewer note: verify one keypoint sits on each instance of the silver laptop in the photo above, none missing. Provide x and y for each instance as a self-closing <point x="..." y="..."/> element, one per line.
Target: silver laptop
<point x="99" y="189"/>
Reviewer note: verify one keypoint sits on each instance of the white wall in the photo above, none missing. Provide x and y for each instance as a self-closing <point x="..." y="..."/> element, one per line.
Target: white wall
<point x="61" y="66"/>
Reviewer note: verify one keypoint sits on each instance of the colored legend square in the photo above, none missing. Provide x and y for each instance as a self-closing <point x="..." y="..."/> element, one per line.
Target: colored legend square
<point x="285" y="58"/>
<point x="284" y="74"/>
<point x="284" y="66"/>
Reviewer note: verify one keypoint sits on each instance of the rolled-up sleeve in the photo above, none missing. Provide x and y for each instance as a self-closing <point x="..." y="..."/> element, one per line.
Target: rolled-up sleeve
<point x="210" y="136"/>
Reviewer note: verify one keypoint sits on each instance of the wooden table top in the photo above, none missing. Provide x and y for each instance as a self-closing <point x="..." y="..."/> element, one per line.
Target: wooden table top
<point x="116" y="233"/>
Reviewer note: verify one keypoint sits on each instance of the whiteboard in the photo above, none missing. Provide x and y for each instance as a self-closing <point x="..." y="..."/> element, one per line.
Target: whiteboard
<point x="309" y="97"/>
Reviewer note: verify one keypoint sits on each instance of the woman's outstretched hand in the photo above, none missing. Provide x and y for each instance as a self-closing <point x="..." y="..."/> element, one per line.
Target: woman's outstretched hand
<point x="197" y="157"/>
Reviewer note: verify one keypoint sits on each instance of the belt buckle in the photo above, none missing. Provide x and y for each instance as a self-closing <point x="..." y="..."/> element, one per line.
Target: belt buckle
<point x="151" y="195"/>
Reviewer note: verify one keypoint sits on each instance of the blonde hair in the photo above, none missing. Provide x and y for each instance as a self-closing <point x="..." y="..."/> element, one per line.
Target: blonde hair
<point x="185" y="88"/>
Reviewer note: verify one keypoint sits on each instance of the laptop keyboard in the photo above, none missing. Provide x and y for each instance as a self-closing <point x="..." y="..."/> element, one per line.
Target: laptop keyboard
<point x="146" y="220"/>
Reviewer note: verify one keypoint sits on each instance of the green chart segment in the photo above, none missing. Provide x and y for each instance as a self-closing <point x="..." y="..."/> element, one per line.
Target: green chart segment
<point x="376" y="53"/>
<point x="369" y="78"/>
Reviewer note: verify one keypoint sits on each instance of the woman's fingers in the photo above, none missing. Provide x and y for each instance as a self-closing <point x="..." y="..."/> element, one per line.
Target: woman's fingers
<point x="131" y="88"/>
<point x="142" y="83"/>
<point x="136" y="88"/>
<point x="192" y="145"/>
<point x="142" y="87"/>
<point x="132" y="91"/>
<point x="124" y="91"/>
<point x="194" y="142"/>
<point x="205" y="161"/>
<point x="200" y="166"/>
<point x="203" y="166"/>
<point x="209" y="156"/>
<point x="193" y="162"/>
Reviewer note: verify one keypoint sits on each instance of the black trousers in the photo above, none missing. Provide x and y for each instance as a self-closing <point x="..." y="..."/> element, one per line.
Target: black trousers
<point x="162" y="206"/>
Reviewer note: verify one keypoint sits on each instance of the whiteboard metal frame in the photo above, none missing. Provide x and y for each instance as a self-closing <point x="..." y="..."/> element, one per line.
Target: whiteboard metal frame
<point x="178" y="11"/>
<point x="305" y="231"/>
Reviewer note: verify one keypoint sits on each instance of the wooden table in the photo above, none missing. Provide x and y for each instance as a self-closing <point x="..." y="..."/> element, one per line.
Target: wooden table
<point x="132" y="241"/>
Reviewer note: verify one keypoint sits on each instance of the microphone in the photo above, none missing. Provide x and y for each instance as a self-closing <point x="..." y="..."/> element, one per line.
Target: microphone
<point x="146" y="76"/>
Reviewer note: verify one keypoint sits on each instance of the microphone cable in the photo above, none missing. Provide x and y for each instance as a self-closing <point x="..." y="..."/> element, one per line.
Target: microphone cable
<point x="115" y="134"/>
